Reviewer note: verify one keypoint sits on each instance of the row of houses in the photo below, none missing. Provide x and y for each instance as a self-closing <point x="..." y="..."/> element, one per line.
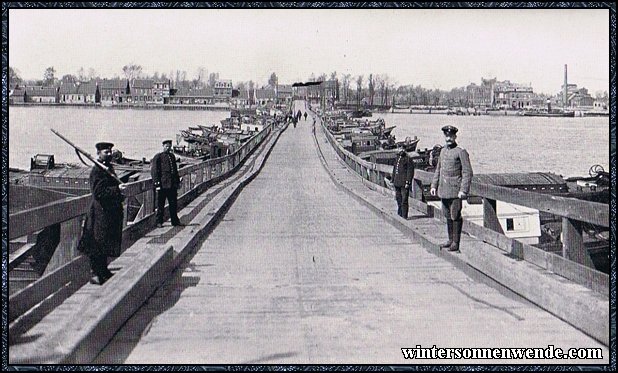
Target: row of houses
<point x="110" y="92"/>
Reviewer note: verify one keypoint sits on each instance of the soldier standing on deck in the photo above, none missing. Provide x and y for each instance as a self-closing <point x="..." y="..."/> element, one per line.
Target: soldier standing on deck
<point x="102" y="233"/>
<point x="164" y="171"/>
<point x="451" y="181"/>
<point x="403" y="173"/>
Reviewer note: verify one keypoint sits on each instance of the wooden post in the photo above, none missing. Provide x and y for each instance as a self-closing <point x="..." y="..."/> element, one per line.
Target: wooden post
<point x="417" y="190"/>
<point x="490" y="215"/>
<point x="125" y="213"/>
<point x="199" y="178"/>
<point x="149" y="202"/>
<point x="573" y="242"/>
<point x="70" y="233"/>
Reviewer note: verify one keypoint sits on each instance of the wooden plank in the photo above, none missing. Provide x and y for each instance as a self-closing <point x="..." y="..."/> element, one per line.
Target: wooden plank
<point x="19" y="255"/>
<point x="421" y="207"/>
<point x="489" y="236"/>
<point x="535" y="256"/>
<point x="589" y="212"/>
<point x="77" y="270"/>
<point x="118" y="301"/>
<point x="578" y="273"/>
<point x="31" y="220"/>
<point x="581" y="274"/>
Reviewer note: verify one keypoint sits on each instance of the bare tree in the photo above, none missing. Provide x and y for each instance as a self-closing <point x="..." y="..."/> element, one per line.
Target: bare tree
<point x="333" y="75"/>
<point x="49" y="76"/>
<point x="251" y="87"/>
<point x="14" y="78"/>
<point x="202" y="75"/>
<point x="347" y="78"/>
<point x="81" y="74"/>
<point x="92" y="74"/>
<point x="132" y="71"/>
<point x="359" y="89"/>
<point x="273" y="80"/>
<point x="371" y="89"/>
<point x="68" y="79"/>
<point x="212" y="79"/>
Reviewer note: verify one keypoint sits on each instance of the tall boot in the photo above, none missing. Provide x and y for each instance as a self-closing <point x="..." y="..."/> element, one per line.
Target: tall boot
<point x="457" y="225"/>
<point x="449" y="226"/>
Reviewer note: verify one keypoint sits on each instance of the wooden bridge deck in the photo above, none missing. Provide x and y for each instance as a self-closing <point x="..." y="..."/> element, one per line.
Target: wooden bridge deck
<point x="300" y="272"/>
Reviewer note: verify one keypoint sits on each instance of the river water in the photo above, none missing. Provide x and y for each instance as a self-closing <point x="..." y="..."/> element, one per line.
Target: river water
<point x="567" y="146"/>
<point x="136" y="133"/>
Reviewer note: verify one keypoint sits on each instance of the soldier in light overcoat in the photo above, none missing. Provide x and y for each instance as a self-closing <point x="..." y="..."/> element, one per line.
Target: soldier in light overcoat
<point x="451" y="181"/>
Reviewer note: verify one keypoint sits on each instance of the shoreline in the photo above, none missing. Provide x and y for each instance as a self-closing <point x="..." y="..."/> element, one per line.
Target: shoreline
<point x="125" y="106"/>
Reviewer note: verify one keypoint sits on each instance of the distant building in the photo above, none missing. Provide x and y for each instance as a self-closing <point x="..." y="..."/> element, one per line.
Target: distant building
<point x="240" y="99"/>
<point x="115" y="91"/>
<point x="79" y="93"/>
<point x="223" y="91"/>
<point x="142" y="91"/>
<point x="284" y="94"/>
<point x="509" y="95"/>
<point x="265" y="96"/>
<point x="600" y="104"/>
<point x="161" y="92"/>
<point x="481" y="96"/>
<point x="48" y="95"/>
<point x="195" y="96"/>
<point x="577" y="97"/>
<point x="17" y="95"/>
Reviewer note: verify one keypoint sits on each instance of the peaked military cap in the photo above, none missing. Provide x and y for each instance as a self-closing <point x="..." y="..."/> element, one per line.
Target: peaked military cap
<point x="449" y="130"/>
<point x="104" y="145"/>
<point x="167" y="142"/>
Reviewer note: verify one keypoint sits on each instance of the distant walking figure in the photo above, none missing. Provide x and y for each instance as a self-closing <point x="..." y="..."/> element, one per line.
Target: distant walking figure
<point x="298" y="115"/>
<point x="305" y="115"/>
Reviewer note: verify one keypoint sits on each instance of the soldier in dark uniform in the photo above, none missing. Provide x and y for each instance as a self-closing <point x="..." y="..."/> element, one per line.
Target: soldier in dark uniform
<point x="451" y="181"/>
<point x="164" y="171"/>
<point x="102" y="234"/>
<point x="403" y="173"/>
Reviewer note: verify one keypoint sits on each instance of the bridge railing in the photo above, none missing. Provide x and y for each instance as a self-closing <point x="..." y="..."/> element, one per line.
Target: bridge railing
<point x="48" y="235"/>
<point x="575" y="262"/>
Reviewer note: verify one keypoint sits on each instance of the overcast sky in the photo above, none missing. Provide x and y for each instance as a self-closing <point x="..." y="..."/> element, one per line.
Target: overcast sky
<point x="434" y="48"/>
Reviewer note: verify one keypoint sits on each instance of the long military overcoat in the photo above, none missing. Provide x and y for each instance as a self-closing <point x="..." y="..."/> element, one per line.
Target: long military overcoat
<point x="102" y="233"/>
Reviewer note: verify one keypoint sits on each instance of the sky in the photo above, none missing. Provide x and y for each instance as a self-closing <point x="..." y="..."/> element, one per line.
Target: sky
<point x="434" y="48"/>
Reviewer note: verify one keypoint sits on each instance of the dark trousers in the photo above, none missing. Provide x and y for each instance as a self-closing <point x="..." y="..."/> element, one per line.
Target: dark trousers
<point x="98" y="264"/>
<point x="451" y="208"/>
<point x="172" y="198"/>
<point x="454" y="222"/>
<point x="401" y="195"/>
